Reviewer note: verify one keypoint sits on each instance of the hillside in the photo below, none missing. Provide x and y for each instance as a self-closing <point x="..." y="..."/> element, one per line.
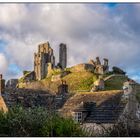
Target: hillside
<point x="75" y="80"/>
<point x="115" y="82"/>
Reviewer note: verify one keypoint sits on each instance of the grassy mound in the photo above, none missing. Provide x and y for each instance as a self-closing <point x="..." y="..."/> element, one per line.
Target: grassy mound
<point x="75" y="80"/>
<point x="115" y="83"/>
<point x="80" y="80"/>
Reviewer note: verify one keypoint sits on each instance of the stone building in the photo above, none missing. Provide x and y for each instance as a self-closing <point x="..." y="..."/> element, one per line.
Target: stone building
<point x="63" y="55"/>
<point x="12" y="83"/>
<point x="2" y="84"/>
<point x="96" y="112"/>
<point x="42" y="59"/>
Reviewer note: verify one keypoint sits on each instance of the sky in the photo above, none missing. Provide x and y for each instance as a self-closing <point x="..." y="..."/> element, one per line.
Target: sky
<point x="106" y="30"/>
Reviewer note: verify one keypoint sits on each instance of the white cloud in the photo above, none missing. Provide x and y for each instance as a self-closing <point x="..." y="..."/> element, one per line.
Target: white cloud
<point x="11" y="14"/>
<point x="3" y="63"/>
<point x="88" y="30"/>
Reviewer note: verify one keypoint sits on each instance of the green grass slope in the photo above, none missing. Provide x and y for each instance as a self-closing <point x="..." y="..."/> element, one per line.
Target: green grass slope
<point x="115" y="83"/>
<point x="80" y="80"/>
<point x="75" y="80"/>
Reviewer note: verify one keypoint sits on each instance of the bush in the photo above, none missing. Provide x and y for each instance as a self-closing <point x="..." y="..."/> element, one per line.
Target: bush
<point x="19" y="122"/>
<point x="60" y="127"/>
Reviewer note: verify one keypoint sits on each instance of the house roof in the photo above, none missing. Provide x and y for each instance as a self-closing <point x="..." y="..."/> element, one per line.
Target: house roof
<point x="106" y="103"/>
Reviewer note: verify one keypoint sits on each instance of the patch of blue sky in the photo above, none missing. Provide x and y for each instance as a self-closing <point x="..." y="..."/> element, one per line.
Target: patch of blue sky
<point x="3" y="45"/>
<point x="111" y="5"/>
<point x="14" y="68"/>
<point x="134" y="75"/>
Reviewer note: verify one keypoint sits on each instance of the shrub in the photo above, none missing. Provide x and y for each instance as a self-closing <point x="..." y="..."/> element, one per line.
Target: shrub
<point x="19" y="122"/>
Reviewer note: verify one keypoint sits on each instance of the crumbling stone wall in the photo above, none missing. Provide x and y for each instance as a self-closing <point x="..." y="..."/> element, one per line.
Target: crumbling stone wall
<point x="100" y="68"/>
<point x="41" y="59"/>
<point x="83" y="67"/>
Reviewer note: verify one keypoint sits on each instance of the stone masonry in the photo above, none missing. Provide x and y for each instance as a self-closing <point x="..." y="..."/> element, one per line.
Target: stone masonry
<point x="42" y="59"/>
<point x="63" y="55"/>
<point x="2" y="84"/>
<point x="101" y="68"/>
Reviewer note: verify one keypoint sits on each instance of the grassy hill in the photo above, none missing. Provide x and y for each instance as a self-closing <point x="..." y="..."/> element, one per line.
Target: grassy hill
<point x="115" y="83"/>
<point x="75" y="80"/>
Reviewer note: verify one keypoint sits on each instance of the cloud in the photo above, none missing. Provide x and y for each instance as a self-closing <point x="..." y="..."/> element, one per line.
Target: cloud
<point x="3" y="63"/>
<point x="89" y="30"/>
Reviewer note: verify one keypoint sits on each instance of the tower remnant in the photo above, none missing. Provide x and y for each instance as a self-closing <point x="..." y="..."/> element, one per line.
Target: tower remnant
<point x="2" y="84"/>
<point x="63" y="55"/>
<point x="44" y="57"/>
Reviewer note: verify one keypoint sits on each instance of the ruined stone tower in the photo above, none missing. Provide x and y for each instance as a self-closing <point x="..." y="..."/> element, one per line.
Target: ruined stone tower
<point x="105" y="65"/>
<point x="2" y="84"/>
<point x="63" y="55"/>
<point x="42" y="59"/>
<point x="98" y="62"/>
<point x="101" y="68"/>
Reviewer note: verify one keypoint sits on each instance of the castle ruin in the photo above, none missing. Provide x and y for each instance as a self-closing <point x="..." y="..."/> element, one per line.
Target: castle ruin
<point x="44" y="60"/>
<point x="101" y="68"/>
<point x="63" y="55"/>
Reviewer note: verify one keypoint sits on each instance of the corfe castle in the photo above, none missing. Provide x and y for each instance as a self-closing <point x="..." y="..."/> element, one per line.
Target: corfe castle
<point x="98" y="102"/>
<point x="44" y="62"/>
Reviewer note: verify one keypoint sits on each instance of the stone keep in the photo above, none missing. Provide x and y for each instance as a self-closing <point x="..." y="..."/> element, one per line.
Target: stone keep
<point x="41" y="59"/>
<point x="2" y="84"/>
<point x="63" y="55"/>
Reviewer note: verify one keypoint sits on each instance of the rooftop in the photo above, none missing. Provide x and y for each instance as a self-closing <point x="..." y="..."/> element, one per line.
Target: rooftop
<point x="108" y="105"/>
